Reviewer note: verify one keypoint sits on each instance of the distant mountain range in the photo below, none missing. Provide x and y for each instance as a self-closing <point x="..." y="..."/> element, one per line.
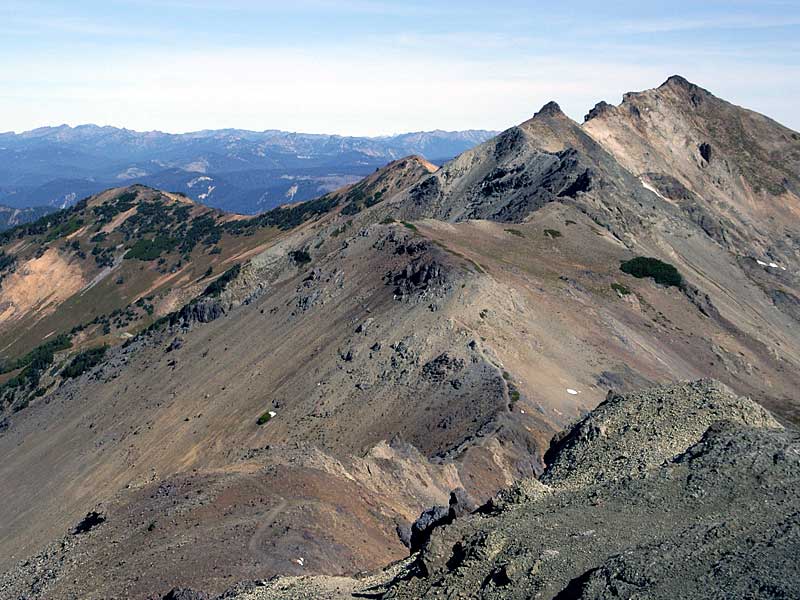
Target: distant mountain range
<point x="11" y="217"/>
<point x="231" y="169"/>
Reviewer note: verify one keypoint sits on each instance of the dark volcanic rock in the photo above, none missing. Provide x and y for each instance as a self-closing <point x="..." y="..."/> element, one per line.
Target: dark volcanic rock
<point x="442" y="367"/>
<point x="184" y="594"/>
<point x="460" y="504"/>
<point x="89" y="522"/>
<point x="599" y="108"/>
<point x="705" y="151"/>
<point x="418" y="276"/>
<point x="425" y="524"/>
<point x="702" y="301"/>
<point x="787" y="303"/>
<point x="202" y="311"/>
<point x="176" y="344"/>
<point x="678" y="492"/>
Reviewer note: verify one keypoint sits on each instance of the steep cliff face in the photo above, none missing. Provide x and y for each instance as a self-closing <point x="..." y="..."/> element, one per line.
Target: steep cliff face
<point x="543" y="160"/>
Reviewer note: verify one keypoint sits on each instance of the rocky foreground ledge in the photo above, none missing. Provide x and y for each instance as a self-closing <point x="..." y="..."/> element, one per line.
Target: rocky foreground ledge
<point x="685" y="491"/>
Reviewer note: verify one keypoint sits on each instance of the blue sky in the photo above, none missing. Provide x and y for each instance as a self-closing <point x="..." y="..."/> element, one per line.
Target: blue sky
<point x="369" y="67"/>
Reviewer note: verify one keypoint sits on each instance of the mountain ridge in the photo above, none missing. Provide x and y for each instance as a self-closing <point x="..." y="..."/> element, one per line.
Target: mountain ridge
<point x="241" y="171"/>
<point x="362" y="356"/>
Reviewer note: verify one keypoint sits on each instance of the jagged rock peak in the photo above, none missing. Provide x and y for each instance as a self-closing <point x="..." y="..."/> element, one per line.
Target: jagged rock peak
<point x="599" y="109"/>
<point x="551" y="109"/>
<point x="678" y="83"/>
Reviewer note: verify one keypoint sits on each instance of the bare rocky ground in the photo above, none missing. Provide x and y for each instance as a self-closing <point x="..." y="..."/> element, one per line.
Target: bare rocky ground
<point x="405" y="359"/>
<point x="679" y="492"/>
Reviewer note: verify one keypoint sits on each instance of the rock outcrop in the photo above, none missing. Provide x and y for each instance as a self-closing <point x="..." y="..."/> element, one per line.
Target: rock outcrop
<point x="676" y="492"/>
<point x="685" y="491"/>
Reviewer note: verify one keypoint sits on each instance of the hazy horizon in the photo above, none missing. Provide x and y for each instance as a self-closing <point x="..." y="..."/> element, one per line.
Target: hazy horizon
<point x="268" y="130"/>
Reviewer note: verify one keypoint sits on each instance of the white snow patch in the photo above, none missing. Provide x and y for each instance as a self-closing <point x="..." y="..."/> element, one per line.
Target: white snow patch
<point x="272" y="413"/>
<point x="649" y="187"/>
<point x="197" y="180"/>
<point x="300" y="561"/>
<point x="211" y="189"/>
<point x="132" y="173"/>
<point x="572" y="392"/>
<point x="771" y="265"/>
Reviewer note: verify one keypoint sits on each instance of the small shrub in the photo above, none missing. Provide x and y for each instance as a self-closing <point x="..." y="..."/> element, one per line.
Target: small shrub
<point x="300" y="257"/>
<point x="515" y="232"/>
<point x="620" y="289"/>
<point x="552" y="233"/>
<point x="410" y="226"/>
<point x="351" y="209"/>
<point x="64" y="229"/>
<point x="145" y="249"/>
<point x="265" y="418"/>
<point x="388" y="221"/>
<point x="643" y="266"/>
<point x="84" y="361"/>
<point x="339" y="230"/>
<point x="216" y="287"/>
<point x="6" y="261"/>
<point x="40" y="357"/>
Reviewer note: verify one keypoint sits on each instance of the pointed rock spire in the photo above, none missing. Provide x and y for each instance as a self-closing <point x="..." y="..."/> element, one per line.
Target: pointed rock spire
<point x="551" y="109"/>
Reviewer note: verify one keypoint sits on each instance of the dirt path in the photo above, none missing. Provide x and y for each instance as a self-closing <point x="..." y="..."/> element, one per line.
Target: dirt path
<point x="254" y="545"/>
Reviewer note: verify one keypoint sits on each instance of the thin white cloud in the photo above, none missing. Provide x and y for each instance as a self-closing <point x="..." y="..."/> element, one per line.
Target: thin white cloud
<point x="344" y="92"/>
<point x="374" y="83"/>
<point x="716" y="22"/>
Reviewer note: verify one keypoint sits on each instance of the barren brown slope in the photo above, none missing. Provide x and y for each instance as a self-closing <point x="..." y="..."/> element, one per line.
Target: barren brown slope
<point x="112" y="265"/>
<point x="550" y="160"/>
<point x="347" y="357"/>
<point x="87" y="266"/>
<point x="734" y="171"/>
<point x="651" y="495"/>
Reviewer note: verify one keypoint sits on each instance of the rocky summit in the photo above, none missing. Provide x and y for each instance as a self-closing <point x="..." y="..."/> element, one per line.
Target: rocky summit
<point x="454" y="381"/>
